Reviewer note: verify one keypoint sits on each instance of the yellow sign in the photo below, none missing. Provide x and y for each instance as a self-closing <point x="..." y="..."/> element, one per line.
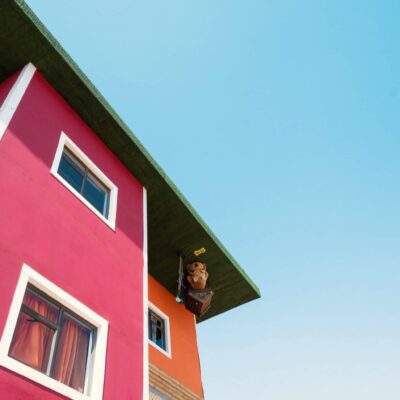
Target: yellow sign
<point x="199" y="251"/>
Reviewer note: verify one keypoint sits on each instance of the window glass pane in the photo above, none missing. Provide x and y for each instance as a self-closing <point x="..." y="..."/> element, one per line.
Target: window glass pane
<point x="71" y="172"/>
<point x="78" y="165"/>
<point x="160" y="336"/>
<point x="41" y="306"/>
<point x="72" y="350"/>
<point x="31" y="343"/>
<point x="156" y="329"/>
<point x="95" y="194"/>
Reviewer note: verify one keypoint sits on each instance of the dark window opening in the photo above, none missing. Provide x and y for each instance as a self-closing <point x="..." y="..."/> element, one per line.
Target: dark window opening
<point x="157" y="330"/>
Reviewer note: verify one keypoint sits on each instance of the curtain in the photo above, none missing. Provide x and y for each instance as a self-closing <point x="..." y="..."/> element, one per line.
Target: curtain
<point x="32" y="343"/>
<point x="70" y="362"/>
<point x="32" y="339"/>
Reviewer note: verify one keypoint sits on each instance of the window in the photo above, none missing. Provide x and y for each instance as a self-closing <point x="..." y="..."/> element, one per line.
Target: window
<point x="159" y="331"/>
<point x="50" y="339"/>
<point x="84" y="182"/>
<point x="83" y="178"/>
<point x="156" y="329"/>
<point x="54" y="340"/>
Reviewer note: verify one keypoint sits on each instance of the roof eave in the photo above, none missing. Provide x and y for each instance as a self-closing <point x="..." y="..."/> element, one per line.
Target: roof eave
<point x="174" y="226"/>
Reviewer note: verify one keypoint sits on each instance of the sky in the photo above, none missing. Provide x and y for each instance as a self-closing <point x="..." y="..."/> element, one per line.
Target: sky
<point x="279" y="121"/>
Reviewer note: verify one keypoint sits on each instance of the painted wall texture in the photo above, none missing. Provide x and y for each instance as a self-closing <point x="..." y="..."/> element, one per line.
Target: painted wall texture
<point x="184" y="365"/>
<point x="47" y="227"/>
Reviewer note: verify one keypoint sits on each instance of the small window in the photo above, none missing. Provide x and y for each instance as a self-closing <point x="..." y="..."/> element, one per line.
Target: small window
<point x="83" y="178"/>
<point x="50" y="339"/>
<point x="53" y="339"/>
<point x="156" y="329"/>
<point x="84" y="182"/>
<point x="159" y="330"/>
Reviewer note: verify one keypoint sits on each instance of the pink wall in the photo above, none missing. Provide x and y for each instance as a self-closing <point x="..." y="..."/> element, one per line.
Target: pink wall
<point x="45" y="226"/>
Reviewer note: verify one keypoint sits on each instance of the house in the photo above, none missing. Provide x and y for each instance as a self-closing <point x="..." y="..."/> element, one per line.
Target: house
<point x="93" y="238"/>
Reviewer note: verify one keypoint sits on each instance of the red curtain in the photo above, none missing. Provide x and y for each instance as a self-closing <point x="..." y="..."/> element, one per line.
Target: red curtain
<point x="32" y="340"/>
<point x="70" y="363"/>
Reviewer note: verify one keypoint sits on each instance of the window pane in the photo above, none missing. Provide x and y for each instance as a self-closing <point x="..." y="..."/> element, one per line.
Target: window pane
<point x="41" y="306"/>
<point x="72" y="350"/>
<point x="73" y="161"/>
<point x="71" y="172"/>
<point x="160" y="336"/>
<point x="156" y="329"/>
<point x="95" y="194"/>
<point x="31" y="343"/>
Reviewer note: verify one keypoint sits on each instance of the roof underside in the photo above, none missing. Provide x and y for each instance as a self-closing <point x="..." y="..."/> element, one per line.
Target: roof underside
<point x="173" y="225"/>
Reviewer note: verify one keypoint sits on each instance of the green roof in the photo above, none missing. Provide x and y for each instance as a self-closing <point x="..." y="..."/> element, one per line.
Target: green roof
<point x="173" y="225"/>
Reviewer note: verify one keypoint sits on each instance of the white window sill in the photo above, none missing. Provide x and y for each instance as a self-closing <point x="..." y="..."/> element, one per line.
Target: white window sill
<point x="111" y="224"/>
<point x="41" y="378"/>
<point x="160" y="349"/>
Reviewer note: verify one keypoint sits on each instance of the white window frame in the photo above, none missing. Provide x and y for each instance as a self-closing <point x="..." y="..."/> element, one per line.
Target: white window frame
<point x="95" y="374"/>
<point x="167" y="352"/>
<point x="66" y="142"/>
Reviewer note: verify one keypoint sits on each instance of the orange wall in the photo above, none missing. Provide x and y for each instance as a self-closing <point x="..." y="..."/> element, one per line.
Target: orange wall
<point x="184" y="365"/>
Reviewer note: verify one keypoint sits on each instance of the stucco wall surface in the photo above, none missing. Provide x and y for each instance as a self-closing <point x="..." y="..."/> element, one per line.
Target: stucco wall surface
<point x="47" y="227"/>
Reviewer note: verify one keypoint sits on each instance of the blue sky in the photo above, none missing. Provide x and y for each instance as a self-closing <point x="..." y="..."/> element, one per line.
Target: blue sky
<point x="279" y="121"/>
